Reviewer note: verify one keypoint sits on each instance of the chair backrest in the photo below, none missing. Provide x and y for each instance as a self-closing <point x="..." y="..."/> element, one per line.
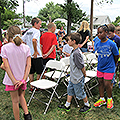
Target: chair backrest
<point x="54" y="64"/>
<point x="91" y="56"/>
<point x="66" y="60"/>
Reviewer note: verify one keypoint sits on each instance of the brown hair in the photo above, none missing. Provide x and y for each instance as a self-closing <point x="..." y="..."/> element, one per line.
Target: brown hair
<point x="11" y="32"/>
<point x="75" y="36"/>
<point x="50" y="25"/>
<point x="35" y="20"/>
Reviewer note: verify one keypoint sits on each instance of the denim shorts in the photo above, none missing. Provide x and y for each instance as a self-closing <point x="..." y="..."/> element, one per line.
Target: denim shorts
<point x="76" y="89"/>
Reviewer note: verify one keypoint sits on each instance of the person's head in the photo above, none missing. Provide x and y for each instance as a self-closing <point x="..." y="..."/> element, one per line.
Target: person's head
<point x="117" y="30"/>
<point x="60" y="39"/>
<point x="102" y="32"/>
<point x="84" y="26"/>
<point x="74" y="38"/>
<point x="36" y="22"/>
<point x="51" y="27"/>
<point x="14" y="33"/>
<point x="111" y="32"/>
<point x="61" y="28"/>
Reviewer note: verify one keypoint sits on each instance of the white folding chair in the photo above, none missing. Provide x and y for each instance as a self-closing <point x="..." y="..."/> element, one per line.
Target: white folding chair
<point x="90" y="81"/>
<point x="91" y="61"/>
<point x="45" y="84"/>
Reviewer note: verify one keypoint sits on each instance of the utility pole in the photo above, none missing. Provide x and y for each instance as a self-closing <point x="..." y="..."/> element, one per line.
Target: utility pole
<point x="24" y="13"/>
<point x="91" y="19"/>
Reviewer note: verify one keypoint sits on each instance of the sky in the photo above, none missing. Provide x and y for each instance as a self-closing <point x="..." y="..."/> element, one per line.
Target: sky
<point x="32" y="8"/>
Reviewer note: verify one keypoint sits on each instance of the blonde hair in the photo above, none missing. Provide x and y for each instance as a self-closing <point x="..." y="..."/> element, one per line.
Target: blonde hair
<point x="11" y="32"/>
<point x="50" y="25"/>
<point x="84" y="26"/>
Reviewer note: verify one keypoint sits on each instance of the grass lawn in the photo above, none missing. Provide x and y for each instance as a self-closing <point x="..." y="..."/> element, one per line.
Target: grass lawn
<point x="37" y="108"/>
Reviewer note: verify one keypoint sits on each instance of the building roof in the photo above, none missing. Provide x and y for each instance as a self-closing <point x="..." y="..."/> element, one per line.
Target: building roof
<point x="101" y="20"/>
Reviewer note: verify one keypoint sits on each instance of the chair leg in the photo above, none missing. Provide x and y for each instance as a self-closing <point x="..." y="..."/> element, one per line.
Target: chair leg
<point x="76" y="101"/>
<point x="31" y="97"/>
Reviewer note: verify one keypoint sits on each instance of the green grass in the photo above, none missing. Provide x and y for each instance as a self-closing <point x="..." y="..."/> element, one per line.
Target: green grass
<point x="37" y="108"/>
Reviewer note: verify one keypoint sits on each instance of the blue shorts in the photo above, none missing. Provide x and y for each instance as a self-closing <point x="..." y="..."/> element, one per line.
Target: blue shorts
<point x="76" y="89"/>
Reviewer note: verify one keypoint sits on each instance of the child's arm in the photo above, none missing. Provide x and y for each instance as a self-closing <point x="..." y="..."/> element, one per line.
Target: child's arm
<point x="9" y="72"/>
<point x="116" y="59"/>
<point x="48" y="53"/>
<point x="80" y="45"/>
<point x="35" y="48"/>
<point x="83" y="71"/>
<point x="27" y="69"/>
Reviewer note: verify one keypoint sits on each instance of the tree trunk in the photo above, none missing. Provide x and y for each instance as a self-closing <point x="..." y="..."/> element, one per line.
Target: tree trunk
<point x="91" y="19"/>
<point x="0" y="29"/>
<point x="24" y="13"/>
<point x="69" y="20"/>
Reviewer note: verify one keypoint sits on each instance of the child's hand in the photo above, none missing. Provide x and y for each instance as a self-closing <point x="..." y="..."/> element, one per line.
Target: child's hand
<point x="44" y="56"/>
<point x="18" y="84"/>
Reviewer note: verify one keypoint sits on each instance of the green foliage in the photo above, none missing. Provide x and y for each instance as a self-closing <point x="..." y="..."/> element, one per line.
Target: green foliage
<point x="10" y="23"/>
<point x="51" y="10"/>
<point x="28" y="18"/>
<point x="43" y="25"/>
<point x="117" y="21"/>
<point x="7" y="15"/>
<point x="59" y="24"/>
<point x="74" y="11"/>
<point x="104" y="1"/>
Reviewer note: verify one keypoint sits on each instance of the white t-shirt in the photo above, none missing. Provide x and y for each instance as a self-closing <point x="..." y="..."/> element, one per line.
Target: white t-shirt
<point x="67" y="48"/>
<point x="17" y="56"/>
<point x="31" y="34"/>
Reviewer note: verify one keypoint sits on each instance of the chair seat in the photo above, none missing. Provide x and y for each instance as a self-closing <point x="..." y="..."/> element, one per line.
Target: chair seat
<point x="55" y="75"/>
<point x="43" y="84"/>
<point x="91" y="73"/>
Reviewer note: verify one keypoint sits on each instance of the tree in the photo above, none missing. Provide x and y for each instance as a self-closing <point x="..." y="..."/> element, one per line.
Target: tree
<point x="51" y="11"/>
<point x="74" y="13"/>
<point x="117" y="21"/>
<point x="9" y="5"/>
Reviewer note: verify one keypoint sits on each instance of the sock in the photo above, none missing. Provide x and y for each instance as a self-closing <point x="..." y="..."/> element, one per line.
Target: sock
<point x="102" y="98"/>
<point x="109" y="98"/>
<point x="87" y="104"/>
<point x="67" y="104"/>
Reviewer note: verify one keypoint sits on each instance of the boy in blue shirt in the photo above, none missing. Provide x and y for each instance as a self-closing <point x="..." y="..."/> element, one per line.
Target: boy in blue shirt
<point x="107" y="59"/>
<point x="77" y="75"/>
<point x="115" y="38"/>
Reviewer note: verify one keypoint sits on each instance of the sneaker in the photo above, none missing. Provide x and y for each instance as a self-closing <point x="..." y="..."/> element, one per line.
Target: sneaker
<point x="119" y="84"/>
<point x="110" y="103"/>
<point x="85" y="109"/>
<point x="99" y="103"/>
<point x="63" y="107"/>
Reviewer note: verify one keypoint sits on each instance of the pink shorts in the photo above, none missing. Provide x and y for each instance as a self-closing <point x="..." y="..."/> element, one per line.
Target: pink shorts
<point x="12" y="87"/>
<point x="106" y="76"/>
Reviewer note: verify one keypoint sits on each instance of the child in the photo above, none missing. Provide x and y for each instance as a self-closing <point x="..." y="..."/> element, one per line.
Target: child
<point x="77" y="75"/>
<point x="31" y="38"/>
<point x="107" y="58"/>
<point x="115" y="38"/>
<point x="48" y="43"/>
<point x="17" y="63"/>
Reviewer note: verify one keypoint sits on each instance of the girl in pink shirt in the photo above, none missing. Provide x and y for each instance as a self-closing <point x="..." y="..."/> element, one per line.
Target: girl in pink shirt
<point x="17" y="63"/>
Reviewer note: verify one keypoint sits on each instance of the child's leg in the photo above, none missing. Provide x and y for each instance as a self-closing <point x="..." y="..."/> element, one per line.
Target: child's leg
<point x="101" y="87"/>
<point x="23" y="101"/>
<point x="69" y="98"/>
<point x="15" y="102"/>
<point x="108" y="88"/>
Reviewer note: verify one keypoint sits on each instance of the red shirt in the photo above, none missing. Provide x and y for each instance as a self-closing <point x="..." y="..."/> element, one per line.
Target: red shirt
<point x="47" y="40"/>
